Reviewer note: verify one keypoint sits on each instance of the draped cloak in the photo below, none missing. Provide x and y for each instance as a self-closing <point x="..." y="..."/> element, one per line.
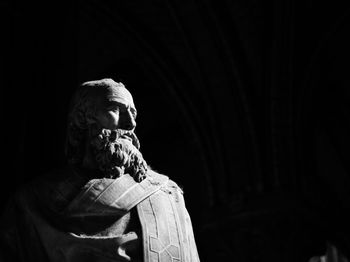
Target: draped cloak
<point x="69" y="218"/>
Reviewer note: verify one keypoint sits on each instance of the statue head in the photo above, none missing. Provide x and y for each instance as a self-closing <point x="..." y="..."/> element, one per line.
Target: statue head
<point x="101" y="126"/>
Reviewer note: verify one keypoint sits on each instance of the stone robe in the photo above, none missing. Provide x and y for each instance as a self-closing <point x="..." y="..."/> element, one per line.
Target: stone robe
<point x="66" y="217"/>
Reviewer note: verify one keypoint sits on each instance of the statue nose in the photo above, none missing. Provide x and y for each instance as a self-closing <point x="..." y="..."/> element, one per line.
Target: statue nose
<point x="129" y="125"/>
<point x="129" y="122"/>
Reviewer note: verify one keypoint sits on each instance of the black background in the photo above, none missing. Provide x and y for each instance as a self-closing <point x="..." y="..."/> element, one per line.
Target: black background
<point x="245" y="104"/>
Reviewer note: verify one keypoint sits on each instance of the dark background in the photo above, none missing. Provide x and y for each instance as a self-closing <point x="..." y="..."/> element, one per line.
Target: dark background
<point x="244" y="103"/>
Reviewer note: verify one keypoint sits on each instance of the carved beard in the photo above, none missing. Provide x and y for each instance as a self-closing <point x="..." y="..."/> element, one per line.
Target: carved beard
<point x="116" y="153"/>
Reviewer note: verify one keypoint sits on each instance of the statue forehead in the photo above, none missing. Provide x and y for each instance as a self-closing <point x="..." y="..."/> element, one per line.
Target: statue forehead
<point x="104" y="90"/>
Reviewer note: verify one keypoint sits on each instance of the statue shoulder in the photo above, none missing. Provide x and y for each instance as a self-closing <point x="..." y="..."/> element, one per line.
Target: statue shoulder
<point x="53" y="189"/>
<point x="171" y="185"/>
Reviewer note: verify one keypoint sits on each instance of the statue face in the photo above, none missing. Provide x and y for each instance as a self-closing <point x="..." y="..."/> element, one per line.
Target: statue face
<point x="101" y="130"/>
<point x="115" y="150"/>
<point x="115" y="109"/>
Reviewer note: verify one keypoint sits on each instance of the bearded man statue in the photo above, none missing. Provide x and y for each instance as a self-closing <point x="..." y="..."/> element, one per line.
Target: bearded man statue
<point x="108" y="204"/>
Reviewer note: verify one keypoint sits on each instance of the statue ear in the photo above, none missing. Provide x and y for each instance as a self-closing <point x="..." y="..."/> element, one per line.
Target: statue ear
<point x="91" y="120"/>
<point x="90" y="117"/>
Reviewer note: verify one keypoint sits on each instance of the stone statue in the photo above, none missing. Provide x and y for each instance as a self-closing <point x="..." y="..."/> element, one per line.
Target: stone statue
<point x="108" y="204"/>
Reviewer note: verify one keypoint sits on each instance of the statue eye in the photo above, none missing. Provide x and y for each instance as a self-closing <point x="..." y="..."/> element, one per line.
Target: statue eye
<point x="114" y="108"/>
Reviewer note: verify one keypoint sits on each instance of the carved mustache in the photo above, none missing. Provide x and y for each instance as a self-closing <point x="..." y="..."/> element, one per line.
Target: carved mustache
<point x="111" y="136"/>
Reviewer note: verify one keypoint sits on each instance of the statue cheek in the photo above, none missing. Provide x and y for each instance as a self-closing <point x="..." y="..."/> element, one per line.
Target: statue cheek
<point x="108" y="119"/>
<point x="112" y="120"/>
